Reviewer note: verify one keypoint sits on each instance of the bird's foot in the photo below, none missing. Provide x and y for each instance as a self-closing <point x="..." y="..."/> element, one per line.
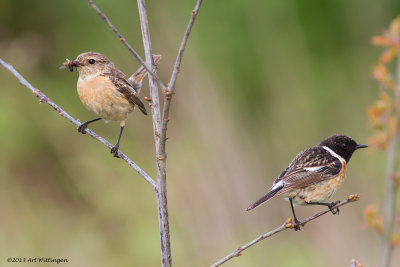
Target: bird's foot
<point x="297" y="225"/>
<point x="332" y="204"/>
<point x="114" y="150"/>
<point x="82" y="128"/>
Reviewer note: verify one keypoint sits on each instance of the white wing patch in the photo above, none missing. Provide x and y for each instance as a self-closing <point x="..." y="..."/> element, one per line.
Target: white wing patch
<point x="314" y="169"/>
<point x="277" y="185"/>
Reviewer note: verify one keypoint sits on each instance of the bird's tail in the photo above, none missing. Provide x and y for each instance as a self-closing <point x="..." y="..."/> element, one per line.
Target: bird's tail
<point x="136" y="79"/>
<point x="265" y="198"/>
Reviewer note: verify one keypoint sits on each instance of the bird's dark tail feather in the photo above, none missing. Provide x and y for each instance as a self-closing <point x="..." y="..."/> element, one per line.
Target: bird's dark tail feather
<point x="142" y="109"/>
<point x="264" y="198"/>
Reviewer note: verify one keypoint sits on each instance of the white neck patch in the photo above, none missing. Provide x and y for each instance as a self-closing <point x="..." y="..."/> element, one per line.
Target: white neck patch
<point x="334" y="154"/>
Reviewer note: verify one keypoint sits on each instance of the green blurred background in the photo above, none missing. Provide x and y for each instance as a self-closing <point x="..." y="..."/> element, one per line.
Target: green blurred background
<point x="260" y="81"/>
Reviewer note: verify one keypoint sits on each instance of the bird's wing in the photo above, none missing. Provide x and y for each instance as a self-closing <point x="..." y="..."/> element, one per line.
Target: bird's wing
<point x="309" y="168"/>
<point x="125" y="88"/>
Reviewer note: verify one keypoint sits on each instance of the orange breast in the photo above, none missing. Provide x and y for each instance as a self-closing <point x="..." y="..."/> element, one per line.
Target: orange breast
<point x="100" y="96"/>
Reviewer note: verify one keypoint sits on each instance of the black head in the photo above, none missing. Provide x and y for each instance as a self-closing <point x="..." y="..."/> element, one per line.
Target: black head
<point x="342" y="145"/>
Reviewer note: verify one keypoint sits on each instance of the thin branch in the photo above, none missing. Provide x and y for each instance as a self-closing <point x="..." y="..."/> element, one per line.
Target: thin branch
<point x="159" y="137"/>
<point x="123" y="40"/>
<point x="161" y="196"/>
<point x="171" y="85"/>
<point x="195" y="11"/>
<point x="155" y="105"/>
<point x="158" y="124"/>
<point x="389" y="205"/>
<point x="43" y="98"/>
<point x="286" y="225"/>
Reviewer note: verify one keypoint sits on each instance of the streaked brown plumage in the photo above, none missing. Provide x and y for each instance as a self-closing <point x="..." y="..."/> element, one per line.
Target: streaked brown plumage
<point x="105" y="90"/>
<point x="314" y="175"/>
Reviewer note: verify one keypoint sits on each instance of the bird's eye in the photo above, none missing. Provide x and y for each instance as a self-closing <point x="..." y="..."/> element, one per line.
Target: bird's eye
<point x="92" y="61"/>
<point x="344" y="145"/>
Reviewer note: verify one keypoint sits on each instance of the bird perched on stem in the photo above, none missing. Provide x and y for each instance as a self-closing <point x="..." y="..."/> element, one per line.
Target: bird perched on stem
<point x="105" y="90"/>
<point x="314" y="175"/>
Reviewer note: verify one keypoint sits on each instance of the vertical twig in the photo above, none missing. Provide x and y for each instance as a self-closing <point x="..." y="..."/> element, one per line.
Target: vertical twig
<point x="161" y="195"/>
<point x="159" y="122"/>
<point x="389" y="205"/>
<point x="171" y="85"/>
<point x="123" y="40"/>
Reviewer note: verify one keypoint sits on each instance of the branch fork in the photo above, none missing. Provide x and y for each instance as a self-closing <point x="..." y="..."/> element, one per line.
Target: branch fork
<point x="159" y="120"/>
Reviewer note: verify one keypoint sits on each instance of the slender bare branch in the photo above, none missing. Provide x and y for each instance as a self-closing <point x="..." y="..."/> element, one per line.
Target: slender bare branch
<point x="155" y="105"/>
<point x="165" y="243"/>
<point x="44" y="99"/>
<point x="195" y="11"/>
<point x="286" y="225"/>
<point x="389" y="205"/>
<point x="123" y="40"/>
<point x="171" y="85"/>
<point x="159" y="124"/>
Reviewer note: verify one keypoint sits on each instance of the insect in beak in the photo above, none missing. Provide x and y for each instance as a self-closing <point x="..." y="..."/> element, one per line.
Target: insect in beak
<point x="69" y="64"/>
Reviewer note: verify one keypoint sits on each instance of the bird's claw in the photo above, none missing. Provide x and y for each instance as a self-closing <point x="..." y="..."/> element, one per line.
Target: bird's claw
<point x="82" y="128"/>
<point x="114" y="150"/>
<point x="297" y="225"/>
<point x="334" y="211"/>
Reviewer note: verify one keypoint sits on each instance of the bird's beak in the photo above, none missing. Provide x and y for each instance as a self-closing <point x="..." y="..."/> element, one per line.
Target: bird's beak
<point x="70" y="64"/>
<point x="74" y="63"/>
<point x="361" y="146"/>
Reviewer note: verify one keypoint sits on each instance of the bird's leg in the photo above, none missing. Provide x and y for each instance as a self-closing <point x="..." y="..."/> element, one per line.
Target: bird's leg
<point x="83" y="126"/>
<point x="297" y="222"/>
<point x="115" y="148"/>
<point x="329" y="205"/>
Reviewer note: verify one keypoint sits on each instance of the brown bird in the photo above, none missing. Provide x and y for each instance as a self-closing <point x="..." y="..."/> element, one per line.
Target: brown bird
<point x="105" y="90"/>
<point x="314" y="175"/>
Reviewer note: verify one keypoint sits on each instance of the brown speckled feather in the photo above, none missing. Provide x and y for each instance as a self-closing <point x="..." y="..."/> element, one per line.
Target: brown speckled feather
<point x="314" y="175"/>
<point x="297" y="175"/>
<point x="124" y="87"/>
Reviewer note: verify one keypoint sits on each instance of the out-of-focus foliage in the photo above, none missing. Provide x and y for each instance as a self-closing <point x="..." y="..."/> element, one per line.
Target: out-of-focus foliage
<point x="260" y="81"/>
<point x="382" y="114"/>
<point x="384" y="119"/>
<point x="373" y="219"/>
